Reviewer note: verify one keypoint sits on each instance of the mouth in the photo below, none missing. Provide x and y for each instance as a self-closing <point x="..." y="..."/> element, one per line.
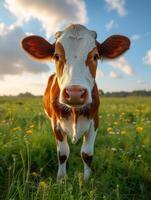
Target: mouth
<point x="74" y="105"/>
<point x="83" y="109"/>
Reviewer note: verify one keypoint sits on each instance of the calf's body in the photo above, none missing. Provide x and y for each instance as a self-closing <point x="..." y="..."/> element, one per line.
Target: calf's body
<point x="71" y="99"/>
<point x="72" y="122"/>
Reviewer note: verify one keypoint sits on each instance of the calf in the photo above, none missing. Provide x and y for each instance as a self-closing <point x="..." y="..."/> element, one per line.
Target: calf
<point x="71" y="99"/>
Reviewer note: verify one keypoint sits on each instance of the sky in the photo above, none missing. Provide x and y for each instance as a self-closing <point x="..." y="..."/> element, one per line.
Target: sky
<point x="20" y="18"/>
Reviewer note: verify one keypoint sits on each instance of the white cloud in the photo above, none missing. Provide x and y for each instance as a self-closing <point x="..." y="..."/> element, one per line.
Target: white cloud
<point x="3" y="29"/>
<point x="16" y="84"/>
<point x="117" y="5"/>
<point x="114" y="75"/>
<point x="140" y="82"/>
<point x="13" y="60"/>
<point x="110" y="25"/>
<point x="52" y="14"/>
<point x="147" y="58"/>
<point x="122" y="64"/>
<point x="135" y="37"/>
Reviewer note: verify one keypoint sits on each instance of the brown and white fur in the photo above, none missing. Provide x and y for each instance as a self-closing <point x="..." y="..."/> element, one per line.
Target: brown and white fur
<point x="71" y="99"/>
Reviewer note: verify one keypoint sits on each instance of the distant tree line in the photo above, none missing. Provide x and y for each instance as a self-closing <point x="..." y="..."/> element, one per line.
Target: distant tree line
<point x="125" y="94"/>
<point x="101" y="93"/>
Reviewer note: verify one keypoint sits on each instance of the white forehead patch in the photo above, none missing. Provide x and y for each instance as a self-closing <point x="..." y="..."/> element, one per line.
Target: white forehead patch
<point x="77" y="41"/>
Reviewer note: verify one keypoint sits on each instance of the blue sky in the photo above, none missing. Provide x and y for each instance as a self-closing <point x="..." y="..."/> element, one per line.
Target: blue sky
<point x="18" y="18"/>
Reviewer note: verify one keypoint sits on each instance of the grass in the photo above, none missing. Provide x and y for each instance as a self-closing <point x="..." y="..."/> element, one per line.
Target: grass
<point x="121" y="165"/>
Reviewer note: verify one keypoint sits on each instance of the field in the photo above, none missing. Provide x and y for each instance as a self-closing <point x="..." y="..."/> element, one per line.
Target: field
<point x="121" y="165"/>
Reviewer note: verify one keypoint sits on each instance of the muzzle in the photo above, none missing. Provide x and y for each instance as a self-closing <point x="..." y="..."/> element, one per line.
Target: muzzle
<point x="75" y="95"/>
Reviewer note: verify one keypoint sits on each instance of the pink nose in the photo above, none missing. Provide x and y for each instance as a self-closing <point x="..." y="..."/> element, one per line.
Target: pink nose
<point x="75" y="95"/>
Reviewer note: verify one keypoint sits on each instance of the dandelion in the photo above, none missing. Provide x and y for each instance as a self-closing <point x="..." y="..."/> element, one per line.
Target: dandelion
<point x="16" y="129"/>
<point x="42" y="185"/>
<point x="123" y="114"/>
<point x="139" y="129"/>
<point x="111" y="132"/>
<point x="29" y="132"/>
<point x="123" y="132"/>
<point x="32" y="126"/>
<point x="34" y="174"/>
<point x="115" y="123"/>
<point x="109" y="129"/>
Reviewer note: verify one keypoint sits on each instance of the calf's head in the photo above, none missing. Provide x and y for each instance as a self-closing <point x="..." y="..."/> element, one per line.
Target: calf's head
<point x="76" y="52"/>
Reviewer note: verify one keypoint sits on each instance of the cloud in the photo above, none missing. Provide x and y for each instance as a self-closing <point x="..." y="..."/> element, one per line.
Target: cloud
<point x="117" y="5"/>
<point x="3" y="29"/>
<point x="114" y="75"/>
<point x="52" y="14"/>
<point x="110" y="25"/>
<point x="141" y="82"/>
<point x="147" y="58"/>
<point x="13" y="60"/>
<point x="122" y="64"/>
<point x="34" y="83"/>
<point x="135" y="37"/>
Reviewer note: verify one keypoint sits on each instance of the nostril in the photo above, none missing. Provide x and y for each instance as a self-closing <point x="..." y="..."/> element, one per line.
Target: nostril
<point x="66" y="93"/>
<point x="82" y="91"/>
<point x="84" y="94"/>
<point x="68" y="90"/>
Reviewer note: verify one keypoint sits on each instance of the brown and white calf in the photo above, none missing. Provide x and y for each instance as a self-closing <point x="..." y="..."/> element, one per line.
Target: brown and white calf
<point x="71" y="99"/>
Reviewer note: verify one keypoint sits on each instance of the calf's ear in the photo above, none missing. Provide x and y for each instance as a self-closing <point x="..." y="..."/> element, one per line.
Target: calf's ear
<point x="38" y="47"/>
<point x="113" y="46"/>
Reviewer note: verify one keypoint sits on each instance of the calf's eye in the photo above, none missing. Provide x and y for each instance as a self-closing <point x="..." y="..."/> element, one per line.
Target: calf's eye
<point x="56" y="57"/>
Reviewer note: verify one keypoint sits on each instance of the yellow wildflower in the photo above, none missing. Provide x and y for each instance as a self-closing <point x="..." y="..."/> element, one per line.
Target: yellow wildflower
<point x="115" y="123"/>
<point x="42" y="185"/>
<point x="111" y="132"/>
<point x="34" y="174"/>
<point x="29" y="132"/>
<point x="139" y="129"/>
<point x="32" y="126"/>
<point x="123" y="113"/>
<point x="123" y="132"/>
<point x="109" y="129"/>
<point x="16" y="128"/>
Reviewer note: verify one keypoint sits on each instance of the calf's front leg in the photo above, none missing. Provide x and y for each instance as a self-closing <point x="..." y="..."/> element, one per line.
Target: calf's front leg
<point x="87" y="150"/>
<point x="62" y="153"/>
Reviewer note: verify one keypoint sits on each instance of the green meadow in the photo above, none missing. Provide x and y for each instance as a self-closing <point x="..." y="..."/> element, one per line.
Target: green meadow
<point x="121" y="164"/>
